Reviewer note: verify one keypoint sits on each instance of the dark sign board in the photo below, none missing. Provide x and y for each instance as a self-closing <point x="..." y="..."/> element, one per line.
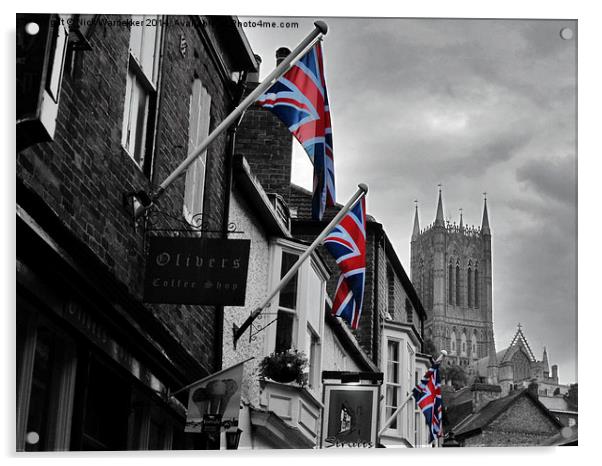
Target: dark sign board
<point x="351" y="416"/>
<point x="196" y="271"/>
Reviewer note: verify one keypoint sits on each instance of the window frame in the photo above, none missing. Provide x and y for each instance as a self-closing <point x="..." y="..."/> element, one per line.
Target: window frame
<point x="303" y="301"/>
<point x="149" y="85"/>
<point x="61" y="392"/>
<point x="199" y="127"/>
<point x="396" y="384"/>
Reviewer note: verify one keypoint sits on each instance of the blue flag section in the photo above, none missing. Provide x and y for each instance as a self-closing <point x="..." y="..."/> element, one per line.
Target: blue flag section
<point x="347" y="244"/>
<point x="428" y="397"/>
<point x="300" y="100"/>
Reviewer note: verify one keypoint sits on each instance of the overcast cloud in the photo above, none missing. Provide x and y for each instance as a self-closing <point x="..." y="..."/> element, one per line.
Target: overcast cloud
<point x="477" y="105"/>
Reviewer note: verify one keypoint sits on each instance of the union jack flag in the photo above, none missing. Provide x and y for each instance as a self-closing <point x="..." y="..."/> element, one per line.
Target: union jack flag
<point x="347" y="244"/>
<point x="428" y="397"/>
<point x="300" y="100"/>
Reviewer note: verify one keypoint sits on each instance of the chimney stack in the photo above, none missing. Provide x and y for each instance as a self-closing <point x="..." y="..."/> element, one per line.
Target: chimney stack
<point x="483" y="393"/>
<point x="534" y="389"/>
<point x="281" y="54"/>
<point x="555" y="372"/>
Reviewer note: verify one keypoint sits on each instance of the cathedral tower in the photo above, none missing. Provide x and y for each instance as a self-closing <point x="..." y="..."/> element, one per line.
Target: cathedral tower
<point x="451" y="270"/>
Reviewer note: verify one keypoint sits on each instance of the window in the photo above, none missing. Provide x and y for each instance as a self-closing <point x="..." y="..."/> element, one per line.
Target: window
<point x="422" y="294"/>
<point x="393" y="384"/>
<point x="417" y="416"/>
<point x="473" y="345"/>
<point x="450" y="287"/>
<point x="141" y="90"/>
<point x="311" y="351"/>
<point x="410" y="375"/>
<point x="300" y="308"/>
<point x="476" y="287"/>
<point x="287" y="304"/>
<point x="45" y="384"/>
<point x="40" y="65"/>
<point x="453" y="342"/>
<point x="198" y="129"/>
<point x="463" y="343"/>
<point x="458" y="300"/>
<point x="469" y="285"/>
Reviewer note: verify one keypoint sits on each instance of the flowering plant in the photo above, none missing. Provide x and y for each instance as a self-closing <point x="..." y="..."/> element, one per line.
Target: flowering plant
<point x="287" y="366"/>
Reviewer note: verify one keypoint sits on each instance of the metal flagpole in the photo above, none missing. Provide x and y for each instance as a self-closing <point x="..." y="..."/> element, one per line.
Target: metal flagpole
<point x="410" y="396"/>
<point x="361" y="192"/>
<point x="320" y="30"/>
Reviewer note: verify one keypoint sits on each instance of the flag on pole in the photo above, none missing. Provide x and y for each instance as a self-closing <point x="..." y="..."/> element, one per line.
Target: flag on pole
<point x="216" y="400"/>
<point x="347" y="244"/>
<point x="300" y="100"/>
<point x="428" y="397"/>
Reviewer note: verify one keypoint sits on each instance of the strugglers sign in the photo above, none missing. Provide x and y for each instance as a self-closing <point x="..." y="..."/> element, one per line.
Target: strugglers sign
<point x="196" y="271"/>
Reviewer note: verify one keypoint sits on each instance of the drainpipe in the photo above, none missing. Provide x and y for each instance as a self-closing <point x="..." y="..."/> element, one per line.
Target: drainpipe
<point x="219" y="310"/>
<point x="376" y="310"/>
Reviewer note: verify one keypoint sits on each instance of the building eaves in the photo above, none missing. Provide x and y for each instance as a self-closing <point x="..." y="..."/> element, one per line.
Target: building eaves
<point x="349" y="342"/>
<point x="257" y="197"/>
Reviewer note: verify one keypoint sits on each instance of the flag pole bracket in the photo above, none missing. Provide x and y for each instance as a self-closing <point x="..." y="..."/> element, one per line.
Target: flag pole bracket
<point x="254" y="328"/>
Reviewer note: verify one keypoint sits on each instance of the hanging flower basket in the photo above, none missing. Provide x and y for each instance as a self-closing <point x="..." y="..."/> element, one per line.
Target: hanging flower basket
<point x="284" y="367"/>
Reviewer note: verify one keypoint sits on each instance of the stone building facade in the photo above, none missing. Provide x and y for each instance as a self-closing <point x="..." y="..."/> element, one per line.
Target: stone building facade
<point x="451" y="271"/>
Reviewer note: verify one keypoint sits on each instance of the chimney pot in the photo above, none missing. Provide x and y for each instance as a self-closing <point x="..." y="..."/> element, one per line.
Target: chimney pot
<point x="281" y="54"/>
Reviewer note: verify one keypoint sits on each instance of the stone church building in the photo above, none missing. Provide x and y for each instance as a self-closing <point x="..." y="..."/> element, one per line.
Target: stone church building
<point x="451" y="270"/>
<point x="516" y="366"/>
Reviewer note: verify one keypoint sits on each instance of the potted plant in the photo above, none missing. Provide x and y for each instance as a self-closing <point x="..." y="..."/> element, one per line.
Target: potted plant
<point x="285" y="367"/>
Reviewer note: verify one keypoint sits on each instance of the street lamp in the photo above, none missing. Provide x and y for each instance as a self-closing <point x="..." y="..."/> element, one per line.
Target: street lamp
<point x="232" y="439"/>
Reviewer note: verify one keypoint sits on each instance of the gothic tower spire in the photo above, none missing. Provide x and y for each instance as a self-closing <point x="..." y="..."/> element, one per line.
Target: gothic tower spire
<point x="416" y="231"/>
<point x="461" y="220"/>
<point x="485" y="225"/>
<point x="439" y="217"/>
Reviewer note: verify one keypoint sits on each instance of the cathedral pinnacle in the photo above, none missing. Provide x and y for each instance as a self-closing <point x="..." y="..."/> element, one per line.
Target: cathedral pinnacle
<point x="485" y="225"/>
<point x="416" y="231"/>
<point x="439" y="217"/>
<point x="461" y="220"/>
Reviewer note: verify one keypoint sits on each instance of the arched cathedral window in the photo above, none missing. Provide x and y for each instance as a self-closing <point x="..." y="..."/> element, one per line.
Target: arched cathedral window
<point x="469" y="284"/>
<point x="450" y="287"/>
<point x="473" y="345"/>
<point x="453" y="342"/>
<point x="458" y="301"/>
<point x="421" y="282"/>
<point x="476" y="287"/>
<point x="463" y="343"/>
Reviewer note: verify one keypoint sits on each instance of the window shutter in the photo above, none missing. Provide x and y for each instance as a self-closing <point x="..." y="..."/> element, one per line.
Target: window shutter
<point x="199" y="120"/>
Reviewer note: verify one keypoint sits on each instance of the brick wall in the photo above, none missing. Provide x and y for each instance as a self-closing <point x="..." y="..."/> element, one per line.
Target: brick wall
<point x="83" y="173"/>
<point x="267" y="145"/>
<point x="522" y="424"/>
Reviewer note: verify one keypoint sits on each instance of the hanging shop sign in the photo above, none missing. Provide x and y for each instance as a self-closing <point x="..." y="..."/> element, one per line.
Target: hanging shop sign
<point x="181" y="270"/>
<point x="351" y="412"/>
<point x="214" y="402"/>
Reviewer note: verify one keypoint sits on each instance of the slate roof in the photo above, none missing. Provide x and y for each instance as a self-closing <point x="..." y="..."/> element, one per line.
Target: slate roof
<point x="495" y="408"/>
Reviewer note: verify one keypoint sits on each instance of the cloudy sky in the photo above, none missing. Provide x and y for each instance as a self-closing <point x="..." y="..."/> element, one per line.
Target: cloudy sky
<point x="478" y="106"/>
